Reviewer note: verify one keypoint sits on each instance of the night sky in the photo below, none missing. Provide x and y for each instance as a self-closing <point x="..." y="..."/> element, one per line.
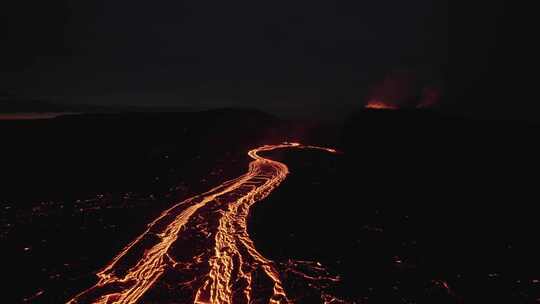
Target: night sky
<point x="249" y="53"/>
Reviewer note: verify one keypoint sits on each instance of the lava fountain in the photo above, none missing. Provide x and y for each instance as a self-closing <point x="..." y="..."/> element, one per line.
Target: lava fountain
<point x="404" y="89"/>
<point x="380" y="105"/>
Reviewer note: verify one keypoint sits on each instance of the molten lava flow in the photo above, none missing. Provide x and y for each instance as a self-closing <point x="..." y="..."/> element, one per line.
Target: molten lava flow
<point x="225" y="267"/>
<point x="380" y="105"/>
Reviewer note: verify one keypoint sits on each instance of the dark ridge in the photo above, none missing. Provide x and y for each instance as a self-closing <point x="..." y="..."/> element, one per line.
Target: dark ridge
<point x="73" y="152"/>
<point x="405" y="139"/>
<point x="35" y="106"/>
<point x="45" y="106"/>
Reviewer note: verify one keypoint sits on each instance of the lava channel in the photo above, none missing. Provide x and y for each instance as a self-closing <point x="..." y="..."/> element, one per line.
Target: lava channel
<point x="199" y="250"/>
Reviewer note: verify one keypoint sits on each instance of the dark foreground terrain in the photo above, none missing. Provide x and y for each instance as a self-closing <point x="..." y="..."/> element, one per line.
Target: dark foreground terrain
<point x="76" y="189"/>
<point x="417" y="207"/>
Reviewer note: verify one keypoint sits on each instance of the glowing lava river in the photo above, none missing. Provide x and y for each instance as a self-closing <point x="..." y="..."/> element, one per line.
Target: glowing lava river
<point x="199" y="250"/>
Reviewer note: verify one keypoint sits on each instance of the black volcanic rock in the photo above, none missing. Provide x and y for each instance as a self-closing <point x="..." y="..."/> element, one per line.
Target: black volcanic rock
<point x="129" y="147"/>
<point x="449" y="204"/>
<point x="77" y="188"/>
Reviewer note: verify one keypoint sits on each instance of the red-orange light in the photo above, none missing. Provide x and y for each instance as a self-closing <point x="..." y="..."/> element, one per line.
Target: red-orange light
<point x="229" y="244"/>
<point x="380" y="105"/>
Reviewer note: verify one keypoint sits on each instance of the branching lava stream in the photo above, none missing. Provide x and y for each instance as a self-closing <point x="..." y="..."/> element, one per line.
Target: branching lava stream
<point x="203" y="243"/>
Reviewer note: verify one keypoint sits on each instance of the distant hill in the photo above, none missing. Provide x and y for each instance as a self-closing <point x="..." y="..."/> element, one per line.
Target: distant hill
<point x="24" y="106"/>
<point x="435" y="152"/>
<point x="42" y="106"/>
<point x="88" y="153"/>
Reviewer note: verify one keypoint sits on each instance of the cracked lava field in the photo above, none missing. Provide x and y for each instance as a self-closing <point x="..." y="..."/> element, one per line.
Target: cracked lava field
<point x="199" y="250"/>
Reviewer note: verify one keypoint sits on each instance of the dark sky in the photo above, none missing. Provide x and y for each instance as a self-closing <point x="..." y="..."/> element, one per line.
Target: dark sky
<point x="235" y="52"/>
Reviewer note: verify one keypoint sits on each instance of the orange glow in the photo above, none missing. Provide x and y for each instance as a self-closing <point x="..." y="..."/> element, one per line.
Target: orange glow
<point x="229" y="258"/>
<point x="380" y="105"/>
